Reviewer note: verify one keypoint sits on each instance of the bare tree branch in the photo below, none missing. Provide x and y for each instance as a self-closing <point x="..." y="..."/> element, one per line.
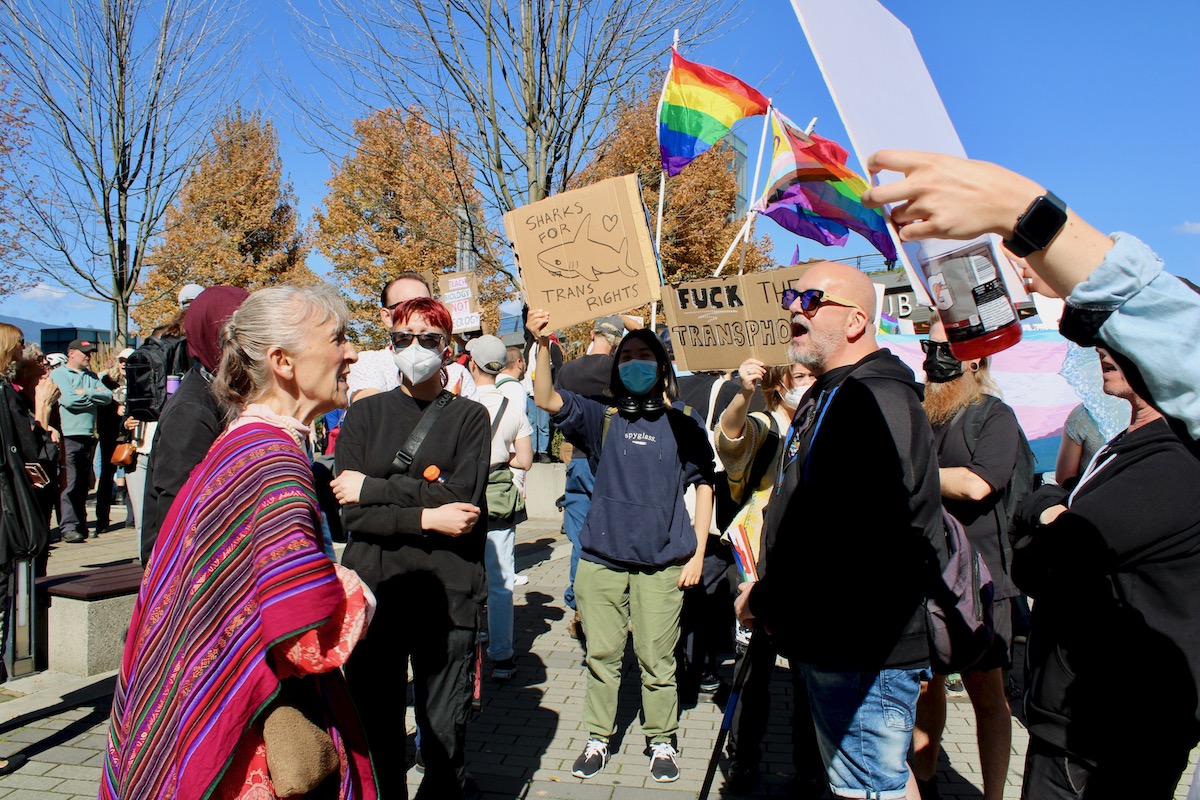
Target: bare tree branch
<point x="122" y="93"/>
<point x="525" y="84"/>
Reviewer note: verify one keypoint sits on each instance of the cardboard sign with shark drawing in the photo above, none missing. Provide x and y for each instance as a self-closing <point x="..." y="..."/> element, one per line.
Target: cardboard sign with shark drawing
<point x="586" y="253"/>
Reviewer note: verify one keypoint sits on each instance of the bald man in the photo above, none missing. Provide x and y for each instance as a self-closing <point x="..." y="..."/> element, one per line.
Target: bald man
<point x="852" y="538"/>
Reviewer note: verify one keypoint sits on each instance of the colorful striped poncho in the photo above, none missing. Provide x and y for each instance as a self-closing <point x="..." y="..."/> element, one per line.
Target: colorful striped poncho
<point x="237" y="584"/>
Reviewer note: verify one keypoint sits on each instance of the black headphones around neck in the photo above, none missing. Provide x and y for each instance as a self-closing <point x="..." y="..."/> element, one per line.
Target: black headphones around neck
<point x="652" y="403"/>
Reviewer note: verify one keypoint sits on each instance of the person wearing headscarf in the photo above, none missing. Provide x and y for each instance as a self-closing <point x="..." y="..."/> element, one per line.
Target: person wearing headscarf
<point x="191" y="418"/>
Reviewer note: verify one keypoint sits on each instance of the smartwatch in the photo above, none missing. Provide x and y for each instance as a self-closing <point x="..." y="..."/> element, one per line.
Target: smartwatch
<point x="1038" y="226"/>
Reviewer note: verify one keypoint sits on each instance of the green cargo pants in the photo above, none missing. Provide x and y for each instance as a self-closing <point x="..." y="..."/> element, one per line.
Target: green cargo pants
<point x="609" y="601"/>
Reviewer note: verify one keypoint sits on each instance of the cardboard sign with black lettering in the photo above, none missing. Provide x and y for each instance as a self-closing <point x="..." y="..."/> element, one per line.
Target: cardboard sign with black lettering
<point x="586" y="253"/>
<point x="717" y="323"/>
<point x="460" y="294"/>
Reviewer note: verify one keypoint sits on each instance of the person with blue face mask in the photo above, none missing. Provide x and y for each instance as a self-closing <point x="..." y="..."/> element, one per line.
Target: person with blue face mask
<point x="639" y="550"/>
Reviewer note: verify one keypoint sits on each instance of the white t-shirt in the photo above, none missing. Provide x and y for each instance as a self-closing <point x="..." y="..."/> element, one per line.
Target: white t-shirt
<point x="513" y="426"/>
<point x="513" y="390"/>
<point x="376" y="369"/>
<point x="516" y="394"/>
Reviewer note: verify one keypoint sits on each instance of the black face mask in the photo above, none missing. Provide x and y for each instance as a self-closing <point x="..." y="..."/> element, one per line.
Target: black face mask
<point x="940" y="365"/>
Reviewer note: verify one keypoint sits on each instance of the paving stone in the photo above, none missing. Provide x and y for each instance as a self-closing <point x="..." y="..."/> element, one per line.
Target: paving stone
<point x="65" y="755"/>
<point x="18" y="780"/>
<point x="90" y="788"/>
<point x="35" y="794"/>
<point x="73" y="771"/>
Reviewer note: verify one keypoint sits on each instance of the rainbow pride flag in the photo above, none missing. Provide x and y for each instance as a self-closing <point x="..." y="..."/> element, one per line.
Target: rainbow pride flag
<point x="812" y="193"/>
<point x="698" y="107"/>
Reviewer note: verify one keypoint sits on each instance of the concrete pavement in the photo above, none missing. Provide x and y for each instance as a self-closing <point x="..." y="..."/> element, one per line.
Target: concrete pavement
<point x="521" y="745"/>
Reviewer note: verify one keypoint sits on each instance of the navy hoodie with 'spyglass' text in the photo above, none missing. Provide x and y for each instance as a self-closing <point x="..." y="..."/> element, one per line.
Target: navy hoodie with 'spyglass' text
<point x="638" y="520"/>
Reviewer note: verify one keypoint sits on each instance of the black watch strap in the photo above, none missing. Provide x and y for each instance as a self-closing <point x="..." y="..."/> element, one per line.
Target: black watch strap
<point x="1038" y="226"/>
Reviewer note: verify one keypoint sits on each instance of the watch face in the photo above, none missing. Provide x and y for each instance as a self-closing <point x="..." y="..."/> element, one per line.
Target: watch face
<point x="1043" y="220"/>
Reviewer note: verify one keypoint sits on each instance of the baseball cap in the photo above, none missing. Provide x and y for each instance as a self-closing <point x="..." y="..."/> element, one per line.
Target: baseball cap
<point x="189" y="293"/>
<point x="489" y="353"/>
<point x="82" y="345"/>
<point x="613" y="326"/>
<point x="124" y="354"/>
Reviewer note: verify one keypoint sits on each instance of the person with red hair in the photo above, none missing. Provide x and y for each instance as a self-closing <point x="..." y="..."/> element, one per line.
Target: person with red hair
<point x="417" y="533"/>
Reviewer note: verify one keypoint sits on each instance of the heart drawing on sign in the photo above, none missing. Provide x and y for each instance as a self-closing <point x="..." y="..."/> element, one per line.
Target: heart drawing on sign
<point x="609" y="222"/>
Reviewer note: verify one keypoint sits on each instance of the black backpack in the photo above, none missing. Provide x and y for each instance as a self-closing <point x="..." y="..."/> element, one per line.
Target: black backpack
<point x="146" y="372"/>
<point x="1024" y="478"/>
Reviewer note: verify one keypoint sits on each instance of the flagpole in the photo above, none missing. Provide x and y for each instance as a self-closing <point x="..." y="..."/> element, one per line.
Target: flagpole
<point x="745" y="226"/>
<point x="754" y="186"/>
<point x="662" y="191"/>
<point x="662" y="175"/>
<point x="762" y="144"/>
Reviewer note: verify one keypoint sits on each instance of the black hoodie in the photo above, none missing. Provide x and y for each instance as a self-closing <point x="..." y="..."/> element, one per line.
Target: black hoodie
<point x="854" y="533"/>
<point x="1116" y="585"/>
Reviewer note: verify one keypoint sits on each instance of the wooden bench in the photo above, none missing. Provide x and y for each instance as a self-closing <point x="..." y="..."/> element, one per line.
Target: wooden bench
<point x="87" y="617"/>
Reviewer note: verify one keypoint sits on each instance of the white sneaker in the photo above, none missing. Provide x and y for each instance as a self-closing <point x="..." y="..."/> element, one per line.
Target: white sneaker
<point x="662" y="762"/>
<point x="520" y="580"/>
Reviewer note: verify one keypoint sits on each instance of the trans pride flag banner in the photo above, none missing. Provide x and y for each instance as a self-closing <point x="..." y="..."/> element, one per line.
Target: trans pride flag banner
<point x="813" y="194"/>
<point x="1028" y="375"/>
<point x="699" y="106"/>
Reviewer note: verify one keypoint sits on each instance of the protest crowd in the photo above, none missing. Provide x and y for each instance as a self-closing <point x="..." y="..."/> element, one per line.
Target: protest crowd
<point x="808" y="511"/>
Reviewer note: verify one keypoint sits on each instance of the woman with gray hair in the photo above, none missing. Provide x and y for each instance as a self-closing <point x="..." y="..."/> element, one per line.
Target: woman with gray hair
<point x="240" y="603"/>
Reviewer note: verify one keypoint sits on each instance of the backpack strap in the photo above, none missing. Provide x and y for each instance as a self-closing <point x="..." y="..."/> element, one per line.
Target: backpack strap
<point x="499" y="416"/>
<point x="973" y="417"/>
<point x="505" y="379"/>
<point x="406" y="454"/>
<point x="608" y="415"/>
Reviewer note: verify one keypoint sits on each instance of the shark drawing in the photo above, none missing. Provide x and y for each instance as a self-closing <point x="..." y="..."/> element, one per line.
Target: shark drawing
<point x="566" y="258"/>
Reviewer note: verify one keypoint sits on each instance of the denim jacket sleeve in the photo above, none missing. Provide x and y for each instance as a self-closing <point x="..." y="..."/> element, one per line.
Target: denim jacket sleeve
<point x="1131" y="304"/>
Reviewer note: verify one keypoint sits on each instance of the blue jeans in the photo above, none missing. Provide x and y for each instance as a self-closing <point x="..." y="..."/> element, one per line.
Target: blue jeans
<point x="499" y="559"/>
<point x="580" y="481"/>
<point x="539" y="419"/>
<point x="864" y="723"/>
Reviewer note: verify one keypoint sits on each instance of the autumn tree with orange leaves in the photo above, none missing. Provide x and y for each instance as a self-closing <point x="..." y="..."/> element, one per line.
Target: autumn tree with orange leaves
<point x="234" y="222"/>
<point x="405" y="200"/>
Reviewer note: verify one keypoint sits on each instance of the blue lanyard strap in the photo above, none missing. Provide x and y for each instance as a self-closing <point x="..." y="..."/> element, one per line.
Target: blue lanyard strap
<point x="788" y="456"/>
<point x="820" y="419"/>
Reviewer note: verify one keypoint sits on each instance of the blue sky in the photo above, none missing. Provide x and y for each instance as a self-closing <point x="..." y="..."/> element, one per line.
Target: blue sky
<point x="1098" y="101"/>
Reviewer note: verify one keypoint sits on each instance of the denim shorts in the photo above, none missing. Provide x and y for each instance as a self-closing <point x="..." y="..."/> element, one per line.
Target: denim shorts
<point x="864" y="723"/>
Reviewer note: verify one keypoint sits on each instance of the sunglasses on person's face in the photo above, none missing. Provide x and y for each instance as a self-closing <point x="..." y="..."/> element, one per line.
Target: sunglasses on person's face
<point x="811" y="300"/>
<point x="928" y="346"/>
<point x="430" y="341"/>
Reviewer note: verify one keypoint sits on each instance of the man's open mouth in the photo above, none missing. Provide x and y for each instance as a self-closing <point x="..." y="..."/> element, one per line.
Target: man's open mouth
<point x="798" y="329"/>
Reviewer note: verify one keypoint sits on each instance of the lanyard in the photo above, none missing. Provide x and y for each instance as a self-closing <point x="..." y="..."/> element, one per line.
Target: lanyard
<point x="794" y="435"/>
<point x="1093" y="467"/>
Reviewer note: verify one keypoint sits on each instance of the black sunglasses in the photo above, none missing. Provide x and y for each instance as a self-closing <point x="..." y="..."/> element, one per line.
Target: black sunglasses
<point x="928" y="346"/>
<point x="811" y="299"/>
<point x="430" y="341"/>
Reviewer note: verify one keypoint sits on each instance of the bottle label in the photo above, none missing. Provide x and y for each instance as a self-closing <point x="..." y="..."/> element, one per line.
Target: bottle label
<point x="970" y="297"/>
